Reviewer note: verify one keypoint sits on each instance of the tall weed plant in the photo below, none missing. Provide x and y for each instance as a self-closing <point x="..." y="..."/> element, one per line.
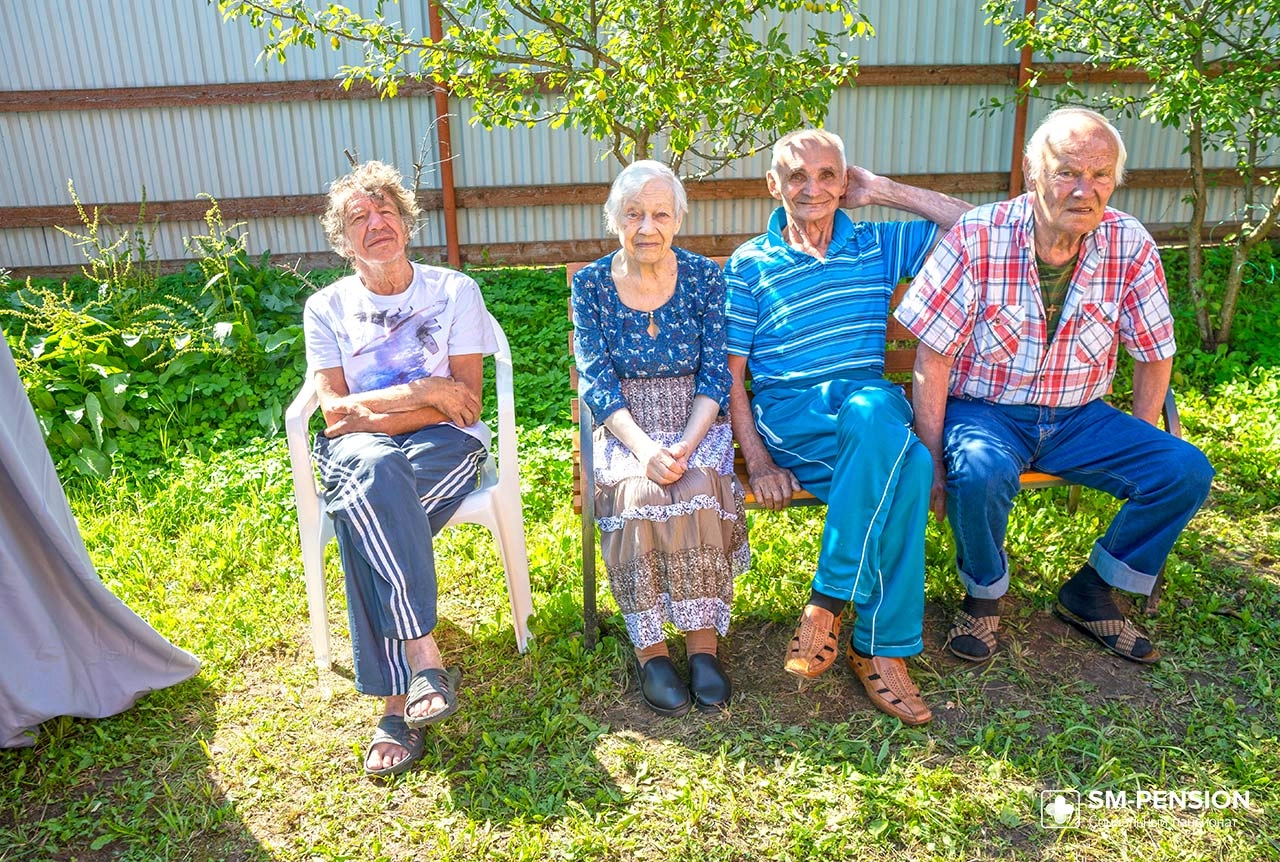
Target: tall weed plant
<point x="123" y="362"/>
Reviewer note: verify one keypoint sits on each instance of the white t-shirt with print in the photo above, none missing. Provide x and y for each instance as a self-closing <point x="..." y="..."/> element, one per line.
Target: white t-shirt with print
<point x="380" y="341"/>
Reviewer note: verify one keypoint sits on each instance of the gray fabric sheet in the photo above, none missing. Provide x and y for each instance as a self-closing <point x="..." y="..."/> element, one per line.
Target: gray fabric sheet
<point x="67" y="645"/>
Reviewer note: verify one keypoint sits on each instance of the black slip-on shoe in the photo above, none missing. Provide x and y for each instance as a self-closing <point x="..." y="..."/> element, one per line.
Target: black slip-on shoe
<point x="662" y="688"/>
<point x="708" y="683"/>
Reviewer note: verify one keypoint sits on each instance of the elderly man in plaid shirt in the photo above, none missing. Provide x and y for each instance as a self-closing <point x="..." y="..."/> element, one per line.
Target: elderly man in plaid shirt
<point x="1020" y="312"/>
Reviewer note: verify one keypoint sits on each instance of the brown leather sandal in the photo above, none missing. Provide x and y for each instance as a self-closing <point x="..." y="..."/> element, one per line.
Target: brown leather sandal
<point x="888" y="684"/>
<point x="815" y="645"/>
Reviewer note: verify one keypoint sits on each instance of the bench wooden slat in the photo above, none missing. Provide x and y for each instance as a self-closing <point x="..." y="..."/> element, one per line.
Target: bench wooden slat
<point x="899" y="361"/>
<point x="895" y="331"/>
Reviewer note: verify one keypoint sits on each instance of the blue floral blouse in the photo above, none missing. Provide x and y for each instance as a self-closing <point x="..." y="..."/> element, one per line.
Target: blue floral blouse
<point x="612" y="341"/>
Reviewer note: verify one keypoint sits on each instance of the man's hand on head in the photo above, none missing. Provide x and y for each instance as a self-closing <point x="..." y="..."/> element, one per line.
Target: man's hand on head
<point x="858" y="191"/>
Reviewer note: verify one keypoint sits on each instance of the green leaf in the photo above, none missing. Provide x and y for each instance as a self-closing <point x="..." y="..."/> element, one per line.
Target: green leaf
<point x="42" y="399"/>
<point x="93" y="409"/>
<point x="281" y="337"/>
<point x="91" y="462"/>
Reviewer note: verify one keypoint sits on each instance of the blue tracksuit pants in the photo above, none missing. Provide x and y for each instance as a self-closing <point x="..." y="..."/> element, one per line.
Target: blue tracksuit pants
<point x="849" y="443"/>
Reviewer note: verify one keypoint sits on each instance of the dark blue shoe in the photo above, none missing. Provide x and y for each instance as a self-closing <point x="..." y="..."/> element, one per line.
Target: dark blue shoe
<point x="708" y="683"/>
<point x="662" y="688"/>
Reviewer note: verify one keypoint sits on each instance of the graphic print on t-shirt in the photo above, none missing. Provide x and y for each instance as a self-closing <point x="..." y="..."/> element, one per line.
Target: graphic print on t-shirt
<point x="402" y="348"/>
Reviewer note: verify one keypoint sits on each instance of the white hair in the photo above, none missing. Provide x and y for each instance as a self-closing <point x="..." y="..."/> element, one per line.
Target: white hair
<point x="790" y="139"/>
<point x="631" y="181"/>
<point x="1060" y="120"/>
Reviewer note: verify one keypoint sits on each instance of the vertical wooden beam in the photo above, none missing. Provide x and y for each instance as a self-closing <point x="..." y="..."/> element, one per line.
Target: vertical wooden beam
<point x="1020" y="113"/>
<point x="445" y="142"/>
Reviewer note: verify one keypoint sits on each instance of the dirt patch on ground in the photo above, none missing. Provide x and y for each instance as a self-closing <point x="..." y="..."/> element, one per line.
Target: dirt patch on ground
<point x="1036" y="650"/>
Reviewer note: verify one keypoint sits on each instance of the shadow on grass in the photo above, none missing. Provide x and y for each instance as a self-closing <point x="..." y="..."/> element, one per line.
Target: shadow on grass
<point x="98" y="789"/>
<point x="522" y="747"/>
<point x="1053" y="710"/>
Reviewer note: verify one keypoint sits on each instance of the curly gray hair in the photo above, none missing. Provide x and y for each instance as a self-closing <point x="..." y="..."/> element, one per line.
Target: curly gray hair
<point x="628" y="184"/>
<point x="377" y="180"/>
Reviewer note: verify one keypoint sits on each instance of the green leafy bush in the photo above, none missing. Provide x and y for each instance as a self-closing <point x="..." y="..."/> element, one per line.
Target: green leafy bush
<point x="1253" y="343"/>
<point x="531" y="304"/>
<point x="125" y="362"/>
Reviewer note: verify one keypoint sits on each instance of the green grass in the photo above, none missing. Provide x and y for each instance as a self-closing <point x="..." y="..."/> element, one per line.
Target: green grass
<point x="553" y="757"/>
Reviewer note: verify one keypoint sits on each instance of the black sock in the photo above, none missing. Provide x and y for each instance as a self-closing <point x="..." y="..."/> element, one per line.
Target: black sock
<point x="968" y="645"/>
<point x="1088" y="596"/>
<point x="826" y="602"/>
<point x="981" y="607"/>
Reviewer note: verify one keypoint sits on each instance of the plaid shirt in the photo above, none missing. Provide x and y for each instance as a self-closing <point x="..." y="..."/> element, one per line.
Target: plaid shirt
<point x="977" y="300"/>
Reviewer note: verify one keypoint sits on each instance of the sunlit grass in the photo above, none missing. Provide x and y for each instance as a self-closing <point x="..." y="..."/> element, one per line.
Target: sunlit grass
<point x="552" y="756"/>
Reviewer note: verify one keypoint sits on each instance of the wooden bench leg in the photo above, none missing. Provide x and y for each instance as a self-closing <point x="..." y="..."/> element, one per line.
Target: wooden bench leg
<point x="1152" y="604"/>
<point x="589" y="622"/>
<point x="586" y="473"/>
<point x="1073" y="499"/>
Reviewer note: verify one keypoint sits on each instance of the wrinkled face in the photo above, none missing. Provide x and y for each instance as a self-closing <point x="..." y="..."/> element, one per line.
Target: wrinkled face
<point x="1078" y="177"/>
<point x="809" y="179"/>
<point x="648" y="223"/>
<point x="374" y="229"/>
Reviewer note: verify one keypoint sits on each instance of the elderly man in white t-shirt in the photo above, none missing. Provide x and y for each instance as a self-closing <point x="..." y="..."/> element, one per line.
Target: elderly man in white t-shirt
<point x="396" y="352"/>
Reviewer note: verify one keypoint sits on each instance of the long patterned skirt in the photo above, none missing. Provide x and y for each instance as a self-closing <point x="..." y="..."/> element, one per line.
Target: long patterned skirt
<point x="671" y="551"/>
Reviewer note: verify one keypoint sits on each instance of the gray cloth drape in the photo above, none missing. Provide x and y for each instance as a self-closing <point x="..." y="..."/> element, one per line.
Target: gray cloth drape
<point x="67" y="645"/>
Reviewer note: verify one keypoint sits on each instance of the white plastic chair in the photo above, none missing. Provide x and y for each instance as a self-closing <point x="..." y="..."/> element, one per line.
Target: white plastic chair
<point x="495" y="504"/>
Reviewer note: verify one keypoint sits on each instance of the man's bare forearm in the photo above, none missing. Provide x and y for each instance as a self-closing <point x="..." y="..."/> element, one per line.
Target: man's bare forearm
<point x="1150" y="383"/>
<point x="930" y="383"/>
<point x="942" y="210"/>
<point x="401" y="397"/>
<point x="744" y="422"/>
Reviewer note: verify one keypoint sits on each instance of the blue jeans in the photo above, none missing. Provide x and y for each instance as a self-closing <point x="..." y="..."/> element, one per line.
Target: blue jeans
<point x="1163" y="481"/>
<point x="849" y="443"/>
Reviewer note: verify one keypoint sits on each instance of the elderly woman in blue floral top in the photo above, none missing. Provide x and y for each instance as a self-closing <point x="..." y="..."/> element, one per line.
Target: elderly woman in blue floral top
<point x="650" y="347"/>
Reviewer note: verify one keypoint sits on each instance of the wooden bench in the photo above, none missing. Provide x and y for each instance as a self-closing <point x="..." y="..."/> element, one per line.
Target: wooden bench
<point x="899" y="361"/>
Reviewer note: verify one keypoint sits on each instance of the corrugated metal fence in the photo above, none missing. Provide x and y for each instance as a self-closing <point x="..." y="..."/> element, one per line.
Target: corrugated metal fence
<point x="160" y="97"/>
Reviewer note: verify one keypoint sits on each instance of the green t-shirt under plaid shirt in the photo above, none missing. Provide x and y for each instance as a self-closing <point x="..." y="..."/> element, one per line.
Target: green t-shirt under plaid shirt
<point x="1054" y="283"/>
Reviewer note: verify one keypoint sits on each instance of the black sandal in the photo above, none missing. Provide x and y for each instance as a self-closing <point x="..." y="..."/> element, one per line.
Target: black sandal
<point x="428" y="682"/>
<point x="981" y="629"/>
<point x="1118" y="635"/>
<point x="393" y="729"/>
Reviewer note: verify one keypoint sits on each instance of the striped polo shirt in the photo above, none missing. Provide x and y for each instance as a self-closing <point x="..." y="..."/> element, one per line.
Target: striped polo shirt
<point x="800" y="320"/>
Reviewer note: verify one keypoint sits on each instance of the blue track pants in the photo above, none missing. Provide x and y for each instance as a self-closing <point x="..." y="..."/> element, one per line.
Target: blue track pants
<point x="388" y="496"/>
<point x="850" y="444"/>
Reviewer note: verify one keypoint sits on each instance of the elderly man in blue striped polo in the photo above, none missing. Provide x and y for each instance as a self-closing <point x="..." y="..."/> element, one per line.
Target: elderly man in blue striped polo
<point x="808" y="303"/>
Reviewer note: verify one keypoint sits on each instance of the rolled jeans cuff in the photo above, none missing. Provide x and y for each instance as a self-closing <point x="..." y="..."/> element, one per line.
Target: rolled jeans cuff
<point x="993" y="590"/>
<point x="1118" y="574"/>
